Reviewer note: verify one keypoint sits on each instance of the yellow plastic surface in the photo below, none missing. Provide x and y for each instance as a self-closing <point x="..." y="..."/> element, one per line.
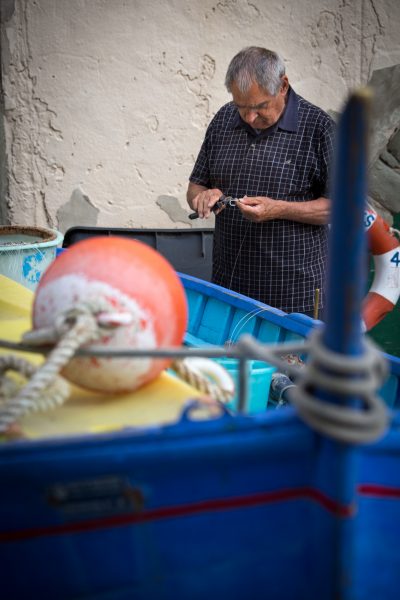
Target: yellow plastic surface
<point x="87" y="412"/>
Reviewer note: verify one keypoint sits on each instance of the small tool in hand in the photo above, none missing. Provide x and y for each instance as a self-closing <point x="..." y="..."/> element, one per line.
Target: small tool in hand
<point x="223" y="201"/>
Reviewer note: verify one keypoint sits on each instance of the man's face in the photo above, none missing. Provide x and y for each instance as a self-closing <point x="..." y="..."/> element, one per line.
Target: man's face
<point x="257" y="107"/>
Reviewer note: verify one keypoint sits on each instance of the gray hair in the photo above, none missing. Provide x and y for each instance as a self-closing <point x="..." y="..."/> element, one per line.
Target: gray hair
<point x="255" y="64"/>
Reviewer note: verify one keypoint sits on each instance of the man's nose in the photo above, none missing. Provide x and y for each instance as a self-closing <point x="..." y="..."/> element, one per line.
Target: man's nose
<point x="250" y="116"/>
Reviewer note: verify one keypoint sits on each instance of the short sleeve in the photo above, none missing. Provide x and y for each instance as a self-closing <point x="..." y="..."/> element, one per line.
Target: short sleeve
<point x="326" y="155"/>
<point x="201" y="169"/>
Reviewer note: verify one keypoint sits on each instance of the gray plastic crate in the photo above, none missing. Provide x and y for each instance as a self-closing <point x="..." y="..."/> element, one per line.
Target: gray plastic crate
<point x="188" y="250"/>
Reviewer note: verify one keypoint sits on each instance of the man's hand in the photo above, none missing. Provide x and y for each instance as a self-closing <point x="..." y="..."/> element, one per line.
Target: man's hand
<point x="259" y="208"/>
<point x="202" y="200"/>
<point x="262" y="208"/>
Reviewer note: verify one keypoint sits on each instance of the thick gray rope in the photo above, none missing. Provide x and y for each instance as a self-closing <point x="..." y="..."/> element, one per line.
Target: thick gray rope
<point x="335" y="374"/>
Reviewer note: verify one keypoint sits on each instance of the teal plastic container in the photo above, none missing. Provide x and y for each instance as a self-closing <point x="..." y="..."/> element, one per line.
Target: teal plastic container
<point x="26" y="252"/>
<point x="259" y="376"/>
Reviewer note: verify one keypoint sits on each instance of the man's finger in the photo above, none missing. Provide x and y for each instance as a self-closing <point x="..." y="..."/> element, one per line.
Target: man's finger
<point x="249" y="201"/>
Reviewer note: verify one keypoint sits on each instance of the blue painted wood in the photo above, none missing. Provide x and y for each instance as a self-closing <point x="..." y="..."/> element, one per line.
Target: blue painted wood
<point x="267" y="324"/>
<point x="209" y="292"/>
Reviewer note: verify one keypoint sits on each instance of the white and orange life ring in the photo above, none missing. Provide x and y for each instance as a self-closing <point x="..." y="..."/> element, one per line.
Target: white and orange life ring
<point x="385" y="289"/>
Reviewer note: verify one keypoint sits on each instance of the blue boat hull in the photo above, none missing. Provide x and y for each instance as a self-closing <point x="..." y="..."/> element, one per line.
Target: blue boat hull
<point x="237" y="506"/>
<point x="234" y="507"/>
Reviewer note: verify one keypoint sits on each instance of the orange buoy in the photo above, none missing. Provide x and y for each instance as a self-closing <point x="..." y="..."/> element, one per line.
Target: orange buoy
<point x="385" y="289"/>
<point x="144" y="293"/>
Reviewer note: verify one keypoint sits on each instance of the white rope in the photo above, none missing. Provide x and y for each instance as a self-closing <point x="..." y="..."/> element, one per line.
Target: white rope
<point x="188" y="369"/>
<point x="195" y="371"/>
<point x="14" y="402"/>
<point x="85" y="322"/>
<point x="45" y="389"/>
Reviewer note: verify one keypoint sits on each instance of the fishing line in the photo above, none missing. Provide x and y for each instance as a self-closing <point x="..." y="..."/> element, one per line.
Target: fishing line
<point x="238" y="254"/>
<point x="246" y="319"/>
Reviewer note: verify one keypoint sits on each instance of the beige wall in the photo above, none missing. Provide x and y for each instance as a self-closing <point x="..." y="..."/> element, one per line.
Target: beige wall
<point x="106" y="101"/>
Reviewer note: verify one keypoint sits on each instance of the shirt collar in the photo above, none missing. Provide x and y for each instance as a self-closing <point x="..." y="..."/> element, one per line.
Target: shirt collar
<point x="286" y="122"/>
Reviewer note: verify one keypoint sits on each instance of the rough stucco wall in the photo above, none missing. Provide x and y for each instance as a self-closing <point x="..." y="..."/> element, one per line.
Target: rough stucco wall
<point x="106" y="103"/>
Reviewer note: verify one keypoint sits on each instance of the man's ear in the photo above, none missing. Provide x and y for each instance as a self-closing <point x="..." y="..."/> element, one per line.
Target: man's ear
<point x="284" y="85"/>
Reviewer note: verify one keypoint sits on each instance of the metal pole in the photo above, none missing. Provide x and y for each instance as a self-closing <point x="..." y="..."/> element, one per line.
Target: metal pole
<point x="347" y="272"/>
<point x="345" y="290"/>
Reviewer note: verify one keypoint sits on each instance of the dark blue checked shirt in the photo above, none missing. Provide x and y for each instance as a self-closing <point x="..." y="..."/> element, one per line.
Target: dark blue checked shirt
<point x="278" y="262"/>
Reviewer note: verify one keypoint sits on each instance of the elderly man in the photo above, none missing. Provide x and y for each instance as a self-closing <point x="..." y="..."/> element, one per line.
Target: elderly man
<point x="272" y="150"/>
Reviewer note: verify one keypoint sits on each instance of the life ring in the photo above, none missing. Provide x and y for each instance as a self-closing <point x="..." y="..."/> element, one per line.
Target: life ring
<point x="385" y="289"/>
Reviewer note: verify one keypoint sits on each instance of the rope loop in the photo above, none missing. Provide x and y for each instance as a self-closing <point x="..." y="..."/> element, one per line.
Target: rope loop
<point x="333" y="374"/>
<point x="96" y="315"/>
<point x="207" y="376"/>
<point x="45" y="389"/>
<point x="84" y="323"/>
<point x="16" y="402"/>
<point x="343" y="376"/>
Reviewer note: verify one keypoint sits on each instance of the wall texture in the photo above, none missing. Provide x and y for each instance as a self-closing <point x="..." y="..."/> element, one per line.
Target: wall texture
<point x="105" y="103"/>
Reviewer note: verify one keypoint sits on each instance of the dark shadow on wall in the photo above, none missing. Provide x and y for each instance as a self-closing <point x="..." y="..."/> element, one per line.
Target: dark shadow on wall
<point x="79" y="210"/>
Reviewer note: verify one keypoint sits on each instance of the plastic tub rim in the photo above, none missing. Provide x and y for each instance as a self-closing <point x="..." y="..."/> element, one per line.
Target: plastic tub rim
<point x="56" y="239"/>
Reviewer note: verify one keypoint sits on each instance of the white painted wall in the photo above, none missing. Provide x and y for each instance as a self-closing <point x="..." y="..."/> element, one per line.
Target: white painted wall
<point x="106" y="101"/>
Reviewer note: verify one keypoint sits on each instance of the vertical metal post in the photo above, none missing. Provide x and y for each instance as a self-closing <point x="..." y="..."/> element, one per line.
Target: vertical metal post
<point x="243" y="385"/>
<point x="345" y="290"/>
<point x="347" y="252"/>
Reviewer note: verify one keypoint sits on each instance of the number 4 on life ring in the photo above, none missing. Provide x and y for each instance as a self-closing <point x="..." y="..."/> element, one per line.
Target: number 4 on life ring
<point x="385" y="289"/>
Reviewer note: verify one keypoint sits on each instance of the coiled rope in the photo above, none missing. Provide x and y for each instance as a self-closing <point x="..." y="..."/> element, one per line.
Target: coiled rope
<point x="334" y="374"/>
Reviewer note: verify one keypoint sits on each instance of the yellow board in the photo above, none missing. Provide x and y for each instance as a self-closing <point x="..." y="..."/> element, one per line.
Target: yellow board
<point x="87" y="412"/>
